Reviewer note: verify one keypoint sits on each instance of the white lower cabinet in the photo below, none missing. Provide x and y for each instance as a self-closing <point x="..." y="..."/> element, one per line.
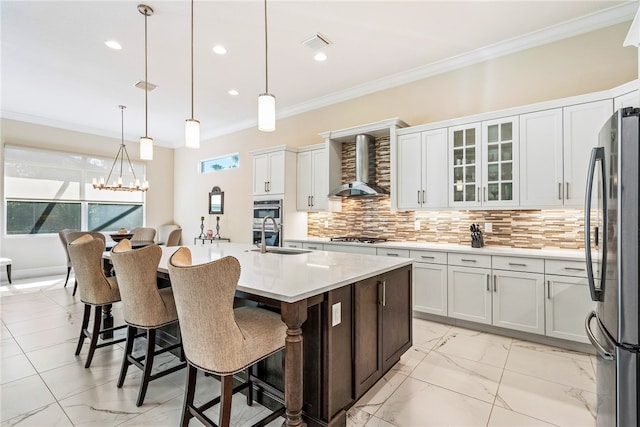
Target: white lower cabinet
<point x="568" y="302"/>
<point x="469" y="294"/>
<point x="518" y="301"/>
<point x="429" y="282"/>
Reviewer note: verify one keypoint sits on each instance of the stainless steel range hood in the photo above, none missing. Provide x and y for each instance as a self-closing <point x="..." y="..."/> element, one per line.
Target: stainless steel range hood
<point x="364" y="185"/>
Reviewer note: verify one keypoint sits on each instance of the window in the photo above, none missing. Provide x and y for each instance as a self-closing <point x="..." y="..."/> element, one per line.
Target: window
<point x="230" y="161"/>
<point x="46" y="191"/>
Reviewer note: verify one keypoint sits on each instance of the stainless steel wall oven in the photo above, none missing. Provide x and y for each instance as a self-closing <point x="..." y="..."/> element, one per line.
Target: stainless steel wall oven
<point x="262" y="209"/>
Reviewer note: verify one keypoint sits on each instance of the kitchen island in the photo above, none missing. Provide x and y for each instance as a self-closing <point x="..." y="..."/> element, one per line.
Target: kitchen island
<point x="348" y="320"/>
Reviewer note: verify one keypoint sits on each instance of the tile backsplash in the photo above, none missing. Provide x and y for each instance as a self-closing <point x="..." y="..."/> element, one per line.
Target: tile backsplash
<point x="533" y="229"/>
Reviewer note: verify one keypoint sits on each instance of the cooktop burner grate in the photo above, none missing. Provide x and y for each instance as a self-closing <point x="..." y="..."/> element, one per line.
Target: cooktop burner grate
<point x="358" y="239"/>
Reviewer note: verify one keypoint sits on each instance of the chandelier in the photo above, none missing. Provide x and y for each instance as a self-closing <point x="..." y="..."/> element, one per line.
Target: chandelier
<point x="117" y="185"/>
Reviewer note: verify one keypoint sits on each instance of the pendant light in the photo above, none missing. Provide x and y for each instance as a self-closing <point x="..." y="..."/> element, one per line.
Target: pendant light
<point x="117" y="185"/>
<point x="146" y="143"/>
<point x="266" y="101"/>
<point x="192" y="126"/>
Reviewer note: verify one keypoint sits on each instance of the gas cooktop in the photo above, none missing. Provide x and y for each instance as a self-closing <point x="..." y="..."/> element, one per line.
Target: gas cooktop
<point x="358" y="239"/>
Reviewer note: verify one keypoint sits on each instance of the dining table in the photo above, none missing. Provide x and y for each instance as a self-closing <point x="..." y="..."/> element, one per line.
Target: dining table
<point x="292" y="280"/>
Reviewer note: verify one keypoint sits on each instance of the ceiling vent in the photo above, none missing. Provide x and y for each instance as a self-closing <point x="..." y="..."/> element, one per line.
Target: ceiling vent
<point x="318" y="41"/>
<point x="140" y="85"/>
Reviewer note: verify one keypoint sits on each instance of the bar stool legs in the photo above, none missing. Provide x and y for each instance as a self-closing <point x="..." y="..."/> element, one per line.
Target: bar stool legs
<point x="94" y="334"/>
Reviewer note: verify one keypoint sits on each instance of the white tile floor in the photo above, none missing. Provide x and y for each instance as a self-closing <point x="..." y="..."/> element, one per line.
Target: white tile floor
<point x="451" y="376"/>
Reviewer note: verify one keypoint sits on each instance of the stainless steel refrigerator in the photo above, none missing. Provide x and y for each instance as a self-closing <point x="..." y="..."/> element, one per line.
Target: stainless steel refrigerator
<point x="611" y="246"/>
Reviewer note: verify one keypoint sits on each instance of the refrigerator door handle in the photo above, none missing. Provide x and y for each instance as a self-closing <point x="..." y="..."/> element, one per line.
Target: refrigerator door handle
<point x="597" y="154"/>
<point x="599" y="348"/>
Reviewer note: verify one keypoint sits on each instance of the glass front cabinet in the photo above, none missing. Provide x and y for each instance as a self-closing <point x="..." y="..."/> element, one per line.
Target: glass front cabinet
<point x="484" y="166"/>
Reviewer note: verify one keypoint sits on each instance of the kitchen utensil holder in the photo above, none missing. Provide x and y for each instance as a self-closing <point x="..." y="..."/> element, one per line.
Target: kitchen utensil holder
<point x="477" y="239"/>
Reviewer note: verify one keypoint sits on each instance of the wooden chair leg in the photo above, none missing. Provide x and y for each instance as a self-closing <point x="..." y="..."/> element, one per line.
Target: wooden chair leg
<point x="148" y="365"/>
<point x="94" y="335"/>
<point x="85" y="324"/>
<point x="226" y="394"/>
<point x="9" y="272"/>
<point x="189" y="394"/>
<point x="128" y="350"/>
<point x="67" y="279"/>
<point x="250" y="388"/>
<point x="75" y="288"/>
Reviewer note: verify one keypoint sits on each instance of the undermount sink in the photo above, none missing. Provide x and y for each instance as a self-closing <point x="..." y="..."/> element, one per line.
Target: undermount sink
<point x="282" y="251"/>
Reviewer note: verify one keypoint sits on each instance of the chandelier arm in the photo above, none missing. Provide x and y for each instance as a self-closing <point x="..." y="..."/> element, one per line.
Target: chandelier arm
<point x="113" y="165"/>
<point x="126" y="153"/>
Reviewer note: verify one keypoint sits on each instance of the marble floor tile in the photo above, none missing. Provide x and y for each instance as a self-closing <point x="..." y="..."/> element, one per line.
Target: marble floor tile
<point x="4" y="332"/>
<point x="409" y="361"/>
<point x="42" y="339"/>
<point x="9" y="347"/>
<point x="552" y="350"/>
<point x="377" y="395"/>
<point x="30" y="310"/>
<point x="50" y="415"/>
<point x="14" y="403"/>
<point x="426" y="334"/>
<point x="416" y="403"/>
<point x="496" y="339"/>
<point x="15" y="367"/>
<point x="48" y="322"/>
<point x="167" y="414"/>
<point x="547" y="401"/>
<point x="474" y="347"/>
<point x="501" y="417"/>
<point x="548" y="366"/>
<point x="464" y="376"/>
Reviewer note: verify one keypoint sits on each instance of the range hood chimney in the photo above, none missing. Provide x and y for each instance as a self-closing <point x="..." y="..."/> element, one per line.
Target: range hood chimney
<point x="364" y="185"/>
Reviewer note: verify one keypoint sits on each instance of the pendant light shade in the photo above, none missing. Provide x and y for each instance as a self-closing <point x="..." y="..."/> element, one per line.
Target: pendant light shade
<point x="192" y="133"/>
<point x="146" y="142"/>
<point x="266" y="112"/>
<point x="266" y="101"/>
<point x="192" y="126"/>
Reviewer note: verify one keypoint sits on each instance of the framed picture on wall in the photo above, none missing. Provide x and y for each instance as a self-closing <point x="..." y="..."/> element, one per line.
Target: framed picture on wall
<point x="216" y="201"/>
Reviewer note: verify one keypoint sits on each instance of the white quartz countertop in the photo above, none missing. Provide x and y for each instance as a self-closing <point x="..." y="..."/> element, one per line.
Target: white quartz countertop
<point x="290" y="278"/>
<point x="560" y="254"/>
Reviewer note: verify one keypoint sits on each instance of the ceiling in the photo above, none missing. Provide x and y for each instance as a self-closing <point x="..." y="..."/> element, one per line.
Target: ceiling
<point x="56" y="70"/>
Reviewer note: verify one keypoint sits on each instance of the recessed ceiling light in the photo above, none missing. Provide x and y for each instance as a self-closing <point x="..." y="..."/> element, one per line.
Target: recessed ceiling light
<point x="113" y="44"/>
<point x="233" y="92"/>
<point x="219" y="49"/>
<point x="320" y="56"/>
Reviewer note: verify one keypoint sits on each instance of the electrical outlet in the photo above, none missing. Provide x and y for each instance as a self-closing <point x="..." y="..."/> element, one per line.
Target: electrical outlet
<point x="326" y="224"/>
<point x="336" y="314"/>
<point x="416" y="225"/>
<point x="488" y="227"/>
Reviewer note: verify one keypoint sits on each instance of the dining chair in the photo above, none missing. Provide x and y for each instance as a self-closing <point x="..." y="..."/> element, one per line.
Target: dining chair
<point x="143" y="234"/>
<point x="96" y="290"/>
<point x="174" y="237"/>
<point x="163" y="234"/>
<point x="217" y="338"/>
<point x="70" y="236"/>
<point x="145" y="307"/>
<point x="65" y="241"/>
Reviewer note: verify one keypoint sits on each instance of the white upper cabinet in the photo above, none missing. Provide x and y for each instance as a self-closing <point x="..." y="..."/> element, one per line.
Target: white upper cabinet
<point x="582" y="123"/>
<point x="422" y="170"/>
<point x="541" y="164"/>
<point x="630" y="99"/>
<point x="500" y="162"/>
<point x="464" y="165"/>
<point x="313" y="179"/>
<point x="269" y="173"/>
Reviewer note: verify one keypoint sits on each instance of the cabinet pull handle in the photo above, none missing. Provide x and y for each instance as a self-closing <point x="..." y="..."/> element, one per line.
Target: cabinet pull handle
<point x="468" y="260"/>
<point x="567" y="191"/>
<point x="548" y="289"/>
<point x="478" y="194"/>
<point x="427" y="257"/>
<point x="488" y="285"/>
<point x="559" y="191"/>
<point x="495" y="288"/>
<point x="423" y="199"/>
<point x="515" y="264"/>
<point x="265" y="187"/>
<point x="312" y="247"/>
<point x="384" y="293"/>
<point x="391" y="254"/>
<point x="418" y="196"/>
<point x="485" y="194"/>
<point x="574" y="269"/>
<point x="311" y="201"/>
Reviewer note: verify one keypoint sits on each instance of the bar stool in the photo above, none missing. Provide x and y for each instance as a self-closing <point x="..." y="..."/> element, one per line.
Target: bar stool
<point x="96" y="290"/>
<point x="7" y="262"/>
<point x="218" y="339"/>
<point x="145" y="307"/>
<point x="70" y="236"/>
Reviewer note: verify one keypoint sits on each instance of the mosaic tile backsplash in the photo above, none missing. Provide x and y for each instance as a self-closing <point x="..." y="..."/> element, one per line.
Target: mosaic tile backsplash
<point x="532" y="229"/>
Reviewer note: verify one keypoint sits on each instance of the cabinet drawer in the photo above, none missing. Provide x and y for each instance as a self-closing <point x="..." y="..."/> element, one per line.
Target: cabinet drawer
<point x="393" y="252"/>
<point x="566" y="268"/>
<point x="292" y="244"/>
<point x="531" y="265"/>
<point x="469" y="260"/>
<point x="433" y="257"/>
<point x="313" y="246"/>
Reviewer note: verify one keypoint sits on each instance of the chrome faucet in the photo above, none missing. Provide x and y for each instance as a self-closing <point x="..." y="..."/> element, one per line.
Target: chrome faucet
<point x="263" y="245"/>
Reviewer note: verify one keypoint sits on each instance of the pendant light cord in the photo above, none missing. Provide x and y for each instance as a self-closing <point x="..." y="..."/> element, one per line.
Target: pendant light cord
<point x="146" y="80"/>
<point x="266" y="51"/>
<point x="191" y="59"/>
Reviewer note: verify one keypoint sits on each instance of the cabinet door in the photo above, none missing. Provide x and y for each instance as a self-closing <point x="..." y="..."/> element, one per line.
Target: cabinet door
<point x="464" y="165"/>
<point x="631" y="99"/>
<point x="368" y="324"/>
<point x="582" y="123"/>
<point x="500" y="166"/>
<point x="319" y="179"/>
<point x="430" y="288"/>
<point x="260" y="174"/>
<point x="434" y="169"/>
<point x="303" y="185"/>
<point x="396" y="316"/>
<point x="410" y="162"/>
<point x="567" y="304"/>
<point x="469" y="293"/>
<point x="518" y="301"/>
<point x="276" y="173"/>
<point x="541" y="180"/>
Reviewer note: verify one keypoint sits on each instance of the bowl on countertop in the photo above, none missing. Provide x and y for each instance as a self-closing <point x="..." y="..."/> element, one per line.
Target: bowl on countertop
<point x="120" y="236"/>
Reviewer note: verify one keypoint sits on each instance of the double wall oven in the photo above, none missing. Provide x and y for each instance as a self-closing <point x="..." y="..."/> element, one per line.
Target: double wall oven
<point x="262" y="209"/>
